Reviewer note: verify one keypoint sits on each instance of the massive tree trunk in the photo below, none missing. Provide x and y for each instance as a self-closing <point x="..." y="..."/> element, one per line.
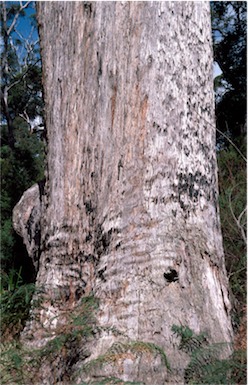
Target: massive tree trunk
<point x="130" y="211"/>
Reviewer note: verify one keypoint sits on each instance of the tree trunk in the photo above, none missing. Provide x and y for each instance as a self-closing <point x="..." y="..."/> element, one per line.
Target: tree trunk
<point x="130" y="211"/>
<point x="5" y="75"/>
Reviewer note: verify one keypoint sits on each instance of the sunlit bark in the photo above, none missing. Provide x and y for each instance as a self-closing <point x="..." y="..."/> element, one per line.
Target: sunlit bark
<point x="131" y="205"/>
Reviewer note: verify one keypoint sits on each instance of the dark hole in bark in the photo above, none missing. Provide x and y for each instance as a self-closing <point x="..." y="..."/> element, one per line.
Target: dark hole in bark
<point x="101" y="274"/>
<point x="171" y="276"/>
<point x="79" y="293"/>
<point x="88" y="7"/>
<point x="88" y="237"/>
<point x="89" y="207"/>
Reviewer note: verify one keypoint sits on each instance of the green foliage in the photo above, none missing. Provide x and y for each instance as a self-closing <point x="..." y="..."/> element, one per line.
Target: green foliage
<point x="206" y="368"/>
<point x="229" y="23"/>
<point x="19" y="365"/>
<point x="111" y="381"/>
<point x="11" y="363"/>
<point x="20" y="169"/>
<point x="11" y="281"/>
<point x="22" y="156"/>
<point x="83" y="315"/>
<point x="120" y="349"/>
<point x="189" y="340"/>
<point x="232" y="201"/>
<point x="206" y="365"/>
<point x="26" y="94"/>
<point x="80" y="323"/>
<point x="15" y="299"/>
<point x="7" y="239"/>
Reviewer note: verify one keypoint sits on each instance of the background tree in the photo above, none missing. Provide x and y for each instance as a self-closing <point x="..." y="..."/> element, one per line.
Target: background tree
<point x="22" y="111"/>
<point x="233" y="206"/>
<point x="229" y="27"/>
<point x="131" y="204"/>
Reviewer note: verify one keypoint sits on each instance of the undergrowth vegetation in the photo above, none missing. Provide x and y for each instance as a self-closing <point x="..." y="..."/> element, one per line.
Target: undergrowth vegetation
<point x="233" y="215"/>
<point x="122" y="350"/>
<point x="111" y="381"/>
<point x="19" y="364"/>
<point x="207" y="364"/>
<point x="15" y="300"/>
<point x="12" y="359"/>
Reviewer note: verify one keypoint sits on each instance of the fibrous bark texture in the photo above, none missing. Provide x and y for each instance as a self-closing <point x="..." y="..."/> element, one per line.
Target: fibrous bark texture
<point x="26" y="222"/>
<point x="131" y="203"/>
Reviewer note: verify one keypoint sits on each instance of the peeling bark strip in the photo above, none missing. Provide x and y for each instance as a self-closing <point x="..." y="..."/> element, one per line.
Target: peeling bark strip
<point x="130" y="210"/>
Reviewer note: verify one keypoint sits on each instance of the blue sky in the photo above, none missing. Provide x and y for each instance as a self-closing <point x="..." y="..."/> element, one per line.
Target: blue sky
<point x="25" y="27"/>
<point x="217" y="71"/>
<point x="24" y="24"/>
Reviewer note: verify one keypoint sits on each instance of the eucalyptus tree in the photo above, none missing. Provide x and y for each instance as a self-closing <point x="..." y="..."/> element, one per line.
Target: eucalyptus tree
<point x="20" y="68"/>
<point x="130" y="209"/>
<point x="229" y="26"/>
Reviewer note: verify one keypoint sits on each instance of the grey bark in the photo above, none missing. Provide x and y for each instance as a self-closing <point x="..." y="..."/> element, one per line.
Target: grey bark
<point x="26" y="222"/>
<point x="131" y="205"/>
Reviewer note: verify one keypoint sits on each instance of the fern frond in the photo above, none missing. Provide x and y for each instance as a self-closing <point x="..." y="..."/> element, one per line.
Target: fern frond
<point x="206" y="365"/>
<point x="189" y="340"/>
<point x="111" y="381"/>
<point x="122" y="350"/>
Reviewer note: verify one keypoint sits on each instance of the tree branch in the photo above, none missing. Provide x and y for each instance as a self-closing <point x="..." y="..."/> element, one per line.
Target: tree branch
<point x="225" y="136"/>
<point x="22" y="76"/>
<point x="22" y="7"/>
<point x="237" y="220"/>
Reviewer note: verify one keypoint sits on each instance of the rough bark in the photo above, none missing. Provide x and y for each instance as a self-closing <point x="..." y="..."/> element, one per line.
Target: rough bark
<point x="26" y="222"/>
<point x="131" y="203"/>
